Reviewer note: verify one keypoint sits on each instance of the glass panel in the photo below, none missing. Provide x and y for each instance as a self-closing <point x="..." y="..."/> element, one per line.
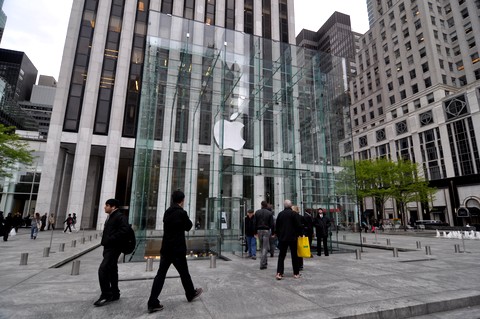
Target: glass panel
<point x="238" y="119"/>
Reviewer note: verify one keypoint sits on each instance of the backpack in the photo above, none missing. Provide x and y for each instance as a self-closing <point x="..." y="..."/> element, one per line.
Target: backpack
<point x="130" y="241"/>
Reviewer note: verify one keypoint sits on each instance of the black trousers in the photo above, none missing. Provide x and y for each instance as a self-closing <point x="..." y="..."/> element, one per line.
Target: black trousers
<point x="319" y="246"/>
<point x="108" y="272"/>
<point x="180" y="263"/>
<point x="283" y="246"/>
<point x="68" y="227"/>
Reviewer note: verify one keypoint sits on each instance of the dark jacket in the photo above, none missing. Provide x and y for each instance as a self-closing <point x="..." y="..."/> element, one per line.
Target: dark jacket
<point x="264" y="220"/>
<point x="321" y="226"/>
<point x="288" y="225"/>
<point x="115" y="230"/>
<point x="307" y="224"/>
<point x="175" y="223"/>
<point x="250" y="229"/>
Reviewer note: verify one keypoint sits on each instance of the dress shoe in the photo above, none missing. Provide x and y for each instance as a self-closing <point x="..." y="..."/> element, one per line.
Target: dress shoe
<point x="102" y="301"/>
<point x="198" y="292"/>
<point x="157" y="307"/>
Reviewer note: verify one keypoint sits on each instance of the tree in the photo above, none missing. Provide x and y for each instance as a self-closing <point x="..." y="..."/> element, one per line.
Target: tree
<point x="12" y="151"/>
<point x="383" y="179"/>
<point x="409" y="186"/>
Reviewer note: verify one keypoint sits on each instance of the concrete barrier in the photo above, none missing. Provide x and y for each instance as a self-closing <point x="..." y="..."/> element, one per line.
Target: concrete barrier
<point x="389" y="242"/>
<point x="213" y="261"/>
<point x="149" y="264"/>
<point x="75" y="268"/>
<point x="428" y="251"/>
<point x="395" y="252"/>
<point x="419" y="245"/>
<point x="23" y="259"/>
<point x="46" y="251"/>
<point x="358" y="254"/>
<point x="61" y="247"/>
<point x="74" y="243"/>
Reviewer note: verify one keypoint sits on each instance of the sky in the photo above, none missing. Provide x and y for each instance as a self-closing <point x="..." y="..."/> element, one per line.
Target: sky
<point x="39" y="27"/>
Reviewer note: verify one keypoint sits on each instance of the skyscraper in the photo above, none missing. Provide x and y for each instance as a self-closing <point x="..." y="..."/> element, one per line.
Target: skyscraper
<point x="3" y="20"/>
<point x="416" y="97"/>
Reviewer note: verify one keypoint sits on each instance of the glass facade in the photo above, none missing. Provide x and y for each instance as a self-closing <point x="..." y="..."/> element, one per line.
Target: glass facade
<point x="233" y="119"/>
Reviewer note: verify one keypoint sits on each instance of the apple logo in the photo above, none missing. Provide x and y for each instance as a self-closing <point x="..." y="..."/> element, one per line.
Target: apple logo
<point x="232" y="133"/>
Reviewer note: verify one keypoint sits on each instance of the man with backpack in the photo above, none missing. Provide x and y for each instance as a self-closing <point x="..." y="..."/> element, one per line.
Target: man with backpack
<point x="113" y="238"/>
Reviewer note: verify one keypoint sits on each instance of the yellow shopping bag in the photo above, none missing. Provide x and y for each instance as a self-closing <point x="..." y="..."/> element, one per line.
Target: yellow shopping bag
<point x="303" y="247"/>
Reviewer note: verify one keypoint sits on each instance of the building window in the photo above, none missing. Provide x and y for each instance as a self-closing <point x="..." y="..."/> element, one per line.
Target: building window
<point x="414" y="88"/>
<point x="428" y="82"/>
<point x="417" y="104"/>
<point x="401" y="127"/>
<point x="413" y="74"/>
<point x="426" y="118"/>
<point x="189" y="9"/>
<point x="248" y="16"/>
<point x="381" y="136"/>
<point x="167" y="6"/>
<point x="455" y="107"/>
<point x="430" y="98"/>
<point x="425" y="67"/>
<point x="362" y="141"/>
<point x="210" y="12"/>
<point x="403" y="94"/>
<point x="230" y="15"/>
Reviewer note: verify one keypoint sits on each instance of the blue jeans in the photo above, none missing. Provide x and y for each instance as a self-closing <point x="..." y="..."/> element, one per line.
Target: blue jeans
<point x="252" y="246"/>
<point x="264" y="238"/>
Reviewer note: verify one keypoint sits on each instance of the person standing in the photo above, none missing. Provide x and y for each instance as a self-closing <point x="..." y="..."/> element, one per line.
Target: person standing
<point x="114" y="234"/>
<point x="264" y="227"/>
<point x="68" y="223"/>
<point x="250" y="234"/>
<point x="4" y="227"/>
<point x="51" y="221"/>
<point x="35" y="226"/>
<point x="287" y="229"/>
<point x="174" y="249"/>
<point x="322" y="224"/>
<point x="43" y="220"/>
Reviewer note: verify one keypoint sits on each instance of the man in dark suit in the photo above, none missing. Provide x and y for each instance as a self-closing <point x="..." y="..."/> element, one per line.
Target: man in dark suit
<point x="322" y="225"/>
<point x="174" y="250"/>
<point x="287" y="229"/>
<point x="114" y="233"/>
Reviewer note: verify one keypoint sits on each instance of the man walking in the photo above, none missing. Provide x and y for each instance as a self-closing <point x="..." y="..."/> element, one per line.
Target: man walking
<point x="174" y="249"/>
<point x="265" y="229"/>
<point x="250" y="234"/>
<point x="114" y="233"/>
<point x="321" y="223"/>
<point x="288" y="228"/>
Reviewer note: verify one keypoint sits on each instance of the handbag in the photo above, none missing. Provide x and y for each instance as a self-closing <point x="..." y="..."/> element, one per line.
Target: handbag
<point x="303" y="247"/>
<point x="12" y="232"/>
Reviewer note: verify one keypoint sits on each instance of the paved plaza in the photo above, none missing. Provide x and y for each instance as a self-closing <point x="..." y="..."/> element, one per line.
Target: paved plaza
<point x="444" y="284"/>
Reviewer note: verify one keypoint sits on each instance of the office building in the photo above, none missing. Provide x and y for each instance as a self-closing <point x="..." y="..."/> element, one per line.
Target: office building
<point x="3" y="20"/>
<point x="416" y="97"/>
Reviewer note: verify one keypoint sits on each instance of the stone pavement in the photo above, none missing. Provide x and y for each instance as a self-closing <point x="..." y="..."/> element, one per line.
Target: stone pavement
<point x="379" y="285"/>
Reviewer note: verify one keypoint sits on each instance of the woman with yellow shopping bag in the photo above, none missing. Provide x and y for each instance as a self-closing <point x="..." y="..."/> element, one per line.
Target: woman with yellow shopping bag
<point x="287" y="229"/>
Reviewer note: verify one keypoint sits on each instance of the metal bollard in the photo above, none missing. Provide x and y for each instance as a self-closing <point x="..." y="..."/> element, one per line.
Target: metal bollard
<point x="23" y="258"/>
<point x="388" y="242"/>
<point x="213" y="261"/>
<point x="90" y="238"/>
<point x="428" y="250"/>
<point x="46" y="251"/>
<point x="395" y="252"/>
<point x="457" y="248"/>
<point x="344" y="237"/>
<point x="358" y="254"/>
<point x="82" y="241"/>
<point x="74" y="243"/>
<point x="149" y="264"/>
<point x="62" y="247"/>
<point x="419" y="245"/>
<point x="75" y="268"/>
<point x="364" y="239"/>
<point x="96" y="235"/>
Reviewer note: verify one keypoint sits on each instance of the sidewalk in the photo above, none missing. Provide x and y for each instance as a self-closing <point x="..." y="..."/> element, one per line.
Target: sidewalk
<point x="339" y="286"/>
